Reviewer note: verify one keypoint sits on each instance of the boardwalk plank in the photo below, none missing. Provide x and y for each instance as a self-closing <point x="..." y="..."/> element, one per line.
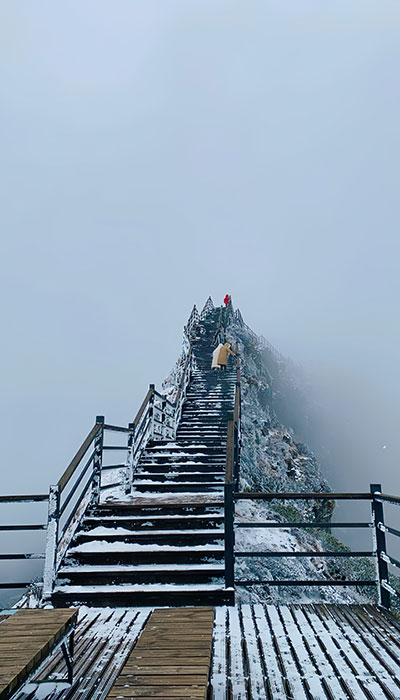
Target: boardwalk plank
<point x="256" y="676"/>
<point x="236" y="670"/>
<point x="272" y="670"/>
<point x="218" y="680"/>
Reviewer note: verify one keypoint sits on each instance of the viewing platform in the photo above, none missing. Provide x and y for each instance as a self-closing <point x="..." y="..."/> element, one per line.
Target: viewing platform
<point x="244" y="652"/>
<point x="144" y="536"/>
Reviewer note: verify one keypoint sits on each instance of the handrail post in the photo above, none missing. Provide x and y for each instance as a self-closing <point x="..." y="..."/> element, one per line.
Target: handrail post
<point x="228" y="512"/>
<point x="380" y="539"/>
<point x="129" y="459"/>
<point x="152" y="389"/>
<point x="53" y="520"/>
<point x="97" y="460"/>
<point x="163" y="419"/>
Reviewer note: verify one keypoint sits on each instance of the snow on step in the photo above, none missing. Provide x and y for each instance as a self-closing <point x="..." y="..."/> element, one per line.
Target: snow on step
<point x="104" y="546"/>
<point x="149" y="518"/>
<point x="141" y="588"/>
<point x="170" y="499"/>
<point x="137" y="568"/>
<point x="98" y="532"/>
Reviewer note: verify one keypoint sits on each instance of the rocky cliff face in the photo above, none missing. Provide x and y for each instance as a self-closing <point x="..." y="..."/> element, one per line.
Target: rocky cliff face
<point x="274" y="460"/>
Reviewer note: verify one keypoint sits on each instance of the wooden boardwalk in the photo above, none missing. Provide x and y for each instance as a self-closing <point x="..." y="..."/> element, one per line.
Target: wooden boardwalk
<point x="171" y="659"/>
<point x="318" y="652"/>
<point x="27" y="637"/>
<point x="259" y="652"/>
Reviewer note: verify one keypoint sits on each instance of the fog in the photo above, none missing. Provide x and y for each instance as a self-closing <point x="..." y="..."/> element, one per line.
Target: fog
<point x="154" y="153"/>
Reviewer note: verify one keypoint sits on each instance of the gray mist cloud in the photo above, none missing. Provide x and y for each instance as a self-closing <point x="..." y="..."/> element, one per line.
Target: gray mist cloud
<point x="157" y="152"/>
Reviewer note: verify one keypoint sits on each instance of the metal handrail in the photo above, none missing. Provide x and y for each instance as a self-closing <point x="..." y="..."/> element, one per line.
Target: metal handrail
<point x="25" y="498"/>
<point x="22" y="556"/>
<point x="232" y="478"/>
<point x="300" y="496"/>
<point x="66" y="476"/>
<point x="385" y="498"/>
<point x="184" y="373"/>
<point x="376" y="498"/>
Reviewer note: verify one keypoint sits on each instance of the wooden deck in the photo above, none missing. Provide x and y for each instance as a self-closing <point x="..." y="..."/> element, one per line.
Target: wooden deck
<point x="26" y="638"/>
<point x="298" y="652"/>
<point x="171" y="659"/>
<point x="318" y="652"/>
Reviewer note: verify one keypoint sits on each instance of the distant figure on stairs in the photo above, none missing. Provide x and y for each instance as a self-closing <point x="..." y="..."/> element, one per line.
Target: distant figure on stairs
<point x="215" y="355"/>
<point x="223" y="355"/>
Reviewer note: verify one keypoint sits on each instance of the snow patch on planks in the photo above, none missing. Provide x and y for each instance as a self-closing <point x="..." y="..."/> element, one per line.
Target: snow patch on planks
<point x="104" y="637"/>
<point x="171" y="658"/>
<point x="306" y="652"/>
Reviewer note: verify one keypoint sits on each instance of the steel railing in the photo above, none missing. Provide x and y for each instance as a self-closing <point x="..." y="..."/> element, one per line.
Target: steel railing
<point x="232" y="495"/>
<point x="376" y="524"/>
<point x="81" y="483"/>
<point x="22" y="556"/>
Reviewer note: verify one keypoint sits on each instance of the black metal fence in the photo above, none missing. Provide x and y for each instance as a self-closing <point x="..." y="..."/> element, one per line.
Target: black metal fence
<point x="378" y="550"/>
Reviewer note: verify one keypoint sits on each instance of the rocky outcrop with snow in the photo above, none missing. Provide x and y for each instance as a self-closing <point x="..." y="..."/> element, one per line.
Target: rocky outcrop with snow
<point x="273" y="459"/>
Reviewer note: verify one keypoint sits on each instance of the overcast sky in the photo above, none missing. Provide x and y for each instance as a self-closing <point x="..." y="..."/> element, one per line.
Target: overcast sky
<point x="153" y="153"/>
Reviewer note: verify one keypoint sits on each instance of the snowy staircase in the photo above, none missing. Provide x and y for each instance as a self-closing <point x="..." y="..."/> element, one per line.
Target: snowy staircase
<point x="165" y="546"/>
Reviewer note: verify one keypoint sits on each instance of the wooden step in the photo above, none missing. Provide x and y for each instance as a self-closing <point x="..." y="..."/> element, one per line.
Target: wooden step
<point x="169" y="487"/>
<point x="151" y="595"/>
<point x="169" y="537"/>
<point x="149" y="522"/>
<point x="126" y="553"/>
<point x="98" y="574"/>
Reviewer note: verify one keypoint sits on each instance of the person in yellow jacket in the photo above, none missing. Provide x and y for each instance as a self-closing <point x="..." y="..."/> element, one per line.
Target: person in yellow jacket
<point x="223" y="355"/>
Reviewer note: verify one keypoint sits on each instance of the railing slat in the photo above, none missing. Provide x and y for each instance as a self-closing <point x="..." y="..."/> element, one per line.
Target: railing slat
<point x="384" y="497"/>
<point x="324" y="582"/>
<point x="77" y="482"/>
<point x="380" y="541"/>
<point x="143" y="406"/>
<point x="279" y="526"/>
<point x="26" y="498"/>
<point x="62" y="482"/>
<point x="301" y="496"/>
<point x="5" y="528"/>
<point x="286" y="553"/>
<point x="116" y="428"/>
<point x="25" y="555"/>
<point x="24" y="584"/>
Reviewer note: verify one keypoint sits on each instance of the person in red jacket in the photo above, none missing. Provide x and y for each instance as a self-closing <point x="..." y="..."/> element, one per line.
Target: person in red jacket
<point x="227" y="300"/>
